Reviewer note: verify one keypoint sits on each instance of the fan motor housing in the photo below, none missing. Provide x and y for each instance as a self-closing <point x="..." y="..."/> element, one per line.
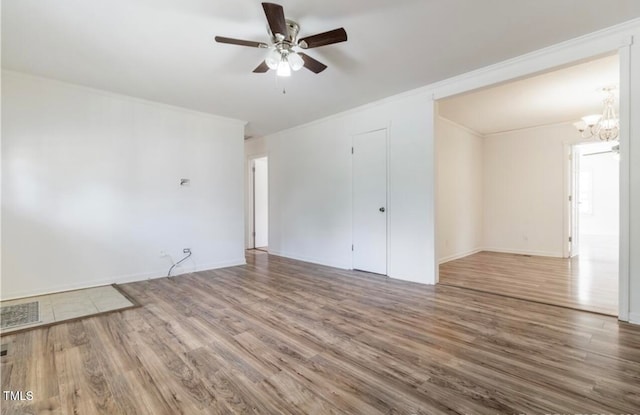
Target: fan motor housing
<point x="293" y="28"/>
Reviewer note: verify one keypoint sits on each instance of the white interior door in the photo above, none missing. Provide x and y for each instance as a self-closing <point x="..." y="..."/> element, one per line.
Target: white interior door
<point x="370" y="202"/>
<point x="261" y="203"/>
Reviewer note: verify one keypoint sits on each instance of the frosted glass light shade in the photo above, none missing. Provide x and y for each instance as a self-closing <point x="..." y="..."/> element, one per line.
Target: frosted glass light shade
<point x="283" y="68"/>
<point x="580" y="125"/>
<point x="273" y="59"/>
<point x="591" y="119"/>
<point x="295" y="61"/>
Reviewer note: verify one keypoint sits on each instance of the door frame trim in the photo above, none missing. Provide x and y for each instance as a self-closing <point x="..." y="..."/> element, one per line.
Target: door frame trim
<point x="570" y="191"/>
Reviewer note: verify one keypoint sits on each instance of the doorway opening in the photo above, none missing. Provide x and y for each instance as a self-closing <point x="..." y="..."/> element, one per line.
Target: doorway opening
<point x="503" y="180"/>
<point x="260" y="203"/>
<point x="595" y="209"/>
<point x="594" y="212"/>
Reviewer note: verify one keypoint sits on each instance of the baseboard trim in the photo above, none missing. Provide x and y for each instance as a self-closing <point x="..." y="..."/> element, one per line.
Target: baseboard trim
<point x="310" y="259"/>
<point x="122" y="279"/>
<point x="213" y="265"/>
<point x="523" y="252"/>
<point x="458" y="256"/>
<point x="634" y="318"/>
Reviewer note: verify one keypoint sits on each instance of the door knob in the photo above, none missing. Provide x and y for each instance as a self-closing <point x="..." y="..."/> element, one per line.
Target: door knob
<point x="382" y="209"/>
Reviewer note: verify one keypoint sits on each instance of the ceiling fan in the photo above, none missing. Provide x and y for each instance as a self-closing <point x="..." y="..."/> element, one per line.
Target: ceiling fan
<point x="282" y="56"/>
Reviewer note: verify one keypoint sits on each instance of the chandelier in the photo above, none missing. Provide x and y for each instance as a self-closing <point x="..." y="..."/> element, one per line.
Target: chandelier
<point x="606" y="126"/>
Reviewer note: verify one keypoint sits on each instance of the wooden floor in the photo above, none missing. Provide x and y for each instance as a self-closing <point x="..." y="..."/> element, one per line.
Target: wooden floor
<point x="279" y="336"/>
<point x="584" y="283"/>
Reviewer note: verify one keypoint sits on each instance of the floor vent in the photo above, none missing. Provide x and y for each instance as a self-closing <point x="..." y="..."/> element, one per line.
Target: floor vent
<point x="19" y="314"/>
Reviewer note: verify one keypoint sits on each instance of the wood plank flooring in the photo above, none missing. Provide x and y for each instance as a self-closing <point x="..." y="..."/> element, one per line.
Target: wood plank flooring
<point x="581" y="282"/>
<point x="279" y="336"/>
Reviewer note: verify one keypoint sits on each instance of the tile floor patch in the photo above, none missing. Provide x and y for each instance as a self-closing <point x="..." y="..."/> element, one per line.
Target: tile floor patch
<point x="19" y="314"/>
<point x="63" y="306"/>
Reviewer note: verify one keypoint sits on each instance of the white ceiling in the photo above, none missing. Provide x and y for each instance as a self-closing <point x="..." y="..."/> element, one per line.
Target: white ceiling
<point x="562" y="95"/>
<point x="163" y="50"/>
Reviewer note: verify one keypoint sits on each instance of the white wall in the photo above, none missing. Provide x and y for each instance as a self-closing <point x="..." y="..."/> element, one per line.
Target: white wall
<point x="524" y="200"/>
<point x="310" y="187"/>
<point x="459" y="201"/>
<point x="91" y="192"/>
<point x="502" y="192"/>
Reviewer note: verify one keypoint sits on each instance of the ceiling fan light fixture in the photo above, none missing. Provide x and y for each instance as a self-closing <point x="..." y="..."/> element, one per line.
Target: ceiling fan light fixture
<point x="284" y="69"/>
<point x="295" y="61"/>
<point x="283" y="39"/>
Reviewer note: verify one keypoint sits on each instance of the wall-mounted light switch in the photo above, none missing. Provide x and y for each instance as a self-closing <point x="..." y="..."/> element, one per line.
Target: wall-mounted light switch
<point x="185" y="182"/>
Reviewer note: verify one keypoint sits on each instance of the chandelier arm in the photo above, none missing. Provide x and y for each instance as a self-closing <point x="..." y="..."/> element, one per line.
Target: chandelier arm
<point x="607" y="127"/>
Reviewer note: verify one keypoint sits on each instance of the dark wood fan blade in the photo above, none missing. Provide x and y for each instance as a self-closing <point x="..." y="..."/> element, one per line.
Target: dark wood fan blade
<point x="323" y="39"/>
<point x="221" y="39"/>
<point x="312" y="64"/>
<point x="262" y="68"/>
<point x="275" y="18"/>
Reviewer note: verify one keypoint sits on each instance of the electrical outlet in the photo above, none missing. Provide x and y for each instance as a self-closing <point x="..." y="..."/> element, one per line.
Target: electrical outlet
<point x="186" y="251"/>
